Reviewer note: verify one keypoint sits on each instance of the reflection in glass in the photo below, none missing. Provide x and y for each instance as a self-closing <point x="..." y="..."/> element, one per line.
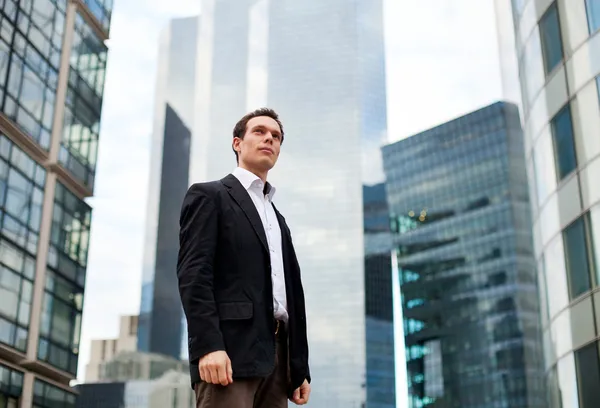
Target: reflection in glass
<point x="83" y="108"/>
<point x="551" y="39"/>
<point x="593" y="15"/>
<point x="48" y="396"/>
<point x="102" y="10"/>
<point x="467" y="270"/>
<point x="587" y="361"/>
<point x="11" y="386"/>
<point x="30" y="50"/>
<point x="594" y="219"/>
<point x="21" y="195"/>
<point x="65" y="279"/>
<point x="564" y="145"/>
<point x="576" y="256"/>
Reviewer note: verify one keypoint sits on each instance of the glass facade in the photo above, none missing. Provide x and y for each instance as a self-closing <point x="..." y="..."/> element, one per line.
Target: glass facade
<point x="102" y="11"/>
<point x="79" y="143"/>
<point x="161" y="327"/>
<point x="378" y="299"/>
<point x="563" y="174"/>
<point x="461" y="225"/>
<point x="52" y="67"/>
<point x="21" y="196"/>
<point x="48" y="396"/>
<point x="11" y="387"/>
<point x="593" y="14"/>
<point x="321" y="66"/>
<point x="65" y="279"/>
<point x="30" y="48"/>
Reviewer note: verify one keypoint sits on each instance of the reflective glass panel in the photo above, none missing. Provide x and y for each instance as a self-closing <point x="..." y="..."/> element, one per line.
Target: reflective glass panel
<point x="21" y="196"/>
<point x="30" y="50"/>
<point x="593" y="14"/>
<point x="564" y="147"/>
<point x="551" y="39"/>
<point x="576" y="256"/>
<point x="587" y="361"/>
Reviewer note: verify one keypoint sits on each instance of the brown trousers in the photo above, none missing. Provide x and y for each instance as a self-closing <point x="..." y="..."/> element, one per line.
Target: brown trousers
<point x="269" y="392"/>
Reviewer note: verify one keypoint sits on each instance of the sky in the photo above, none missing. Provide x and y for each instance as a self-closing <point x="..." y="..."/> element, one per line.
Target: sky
<point x="442" y="61"/>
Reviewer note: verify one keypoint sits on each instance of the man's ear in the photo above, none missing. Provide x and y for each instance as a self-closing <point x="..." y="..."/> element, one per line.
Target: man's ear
<point x="236" y="144"/>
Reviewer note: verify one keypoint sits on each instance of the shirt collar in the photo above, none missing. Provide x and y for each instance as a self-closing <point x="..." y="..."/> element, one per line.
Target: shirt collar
<point x="248" y="179"/>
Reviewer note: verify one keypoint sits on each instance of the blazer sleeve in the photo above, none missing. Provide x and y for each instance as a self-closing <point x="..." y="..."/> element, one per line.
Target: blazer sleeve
<point x="197" y="244"/>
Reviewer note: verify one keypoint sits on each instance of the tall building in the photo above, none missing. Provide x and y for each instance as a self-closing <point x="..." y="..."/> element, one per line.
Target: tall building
<point x="52" y="66"/>
<point x="557" y="46"/>
<point x="161" y="326"/>
<point x="381" y="379"/>
<point x="104" y="350"/>
<point x="461" y="225"/>
<point x="321" y="66"/>
<point x="172" y="389"/>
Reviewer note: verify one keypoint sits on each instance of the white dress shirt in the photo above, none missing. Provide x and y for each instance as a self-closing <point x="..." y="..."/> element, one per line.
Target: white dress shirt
<point x="255" y="187"/>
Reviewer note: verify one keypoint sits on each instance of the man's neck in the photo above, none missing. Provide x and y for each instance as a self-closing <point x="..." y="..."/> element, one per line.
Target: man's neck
<point x="261" y="175"/>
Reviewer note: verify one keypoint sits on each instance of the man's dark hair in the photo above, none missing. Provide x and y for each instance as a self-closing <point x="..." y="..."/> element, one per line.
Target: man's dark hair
<point x="240" y="128"/>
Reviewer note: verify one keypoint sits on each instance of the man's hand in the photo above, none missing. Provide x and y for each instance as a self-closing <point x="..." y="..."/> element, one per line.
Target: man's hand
<point x="301" y="394"/>
<point x="215" y="368"/>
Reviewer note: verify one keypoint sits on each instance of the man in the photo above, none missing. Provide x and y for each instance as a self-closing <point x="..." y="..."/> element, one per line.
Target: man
<point x="239" y="282"/>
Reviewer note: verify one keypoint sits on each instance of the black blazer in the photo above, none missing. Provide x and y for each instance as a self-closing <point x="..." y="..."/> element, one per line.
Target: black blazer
<point x="224" y="275"/>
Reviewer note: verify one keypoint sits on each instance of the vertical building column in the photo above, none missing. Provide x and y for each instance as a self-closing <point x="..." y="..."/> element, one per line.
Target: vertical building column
<point x="48" y="207"/>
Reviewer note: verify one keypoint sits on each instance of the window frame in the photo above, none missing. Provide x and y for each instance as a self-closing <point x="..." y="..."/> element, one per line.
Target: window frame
<point x="541" y="24"/>
<point x="589" y="15"/>
<point x="559" y="176"/>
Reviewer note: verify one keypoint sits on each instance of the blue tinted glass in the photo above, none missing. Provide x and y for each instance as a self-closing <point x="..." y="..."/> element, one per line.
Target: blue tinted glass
<point x="551" y="40"/>
<point x="576" y="257"/>
<point x="593" y="14"/>
<point x="562" y="132"/>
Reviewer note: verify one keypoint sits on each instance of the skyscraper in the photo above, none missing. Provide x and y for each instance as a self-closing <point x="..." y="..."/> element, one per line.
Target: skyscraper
<point x="52" y="66"/>
<point x="461" y="228"/>
<point x="557" y="46"/>
<point x="320" y="64"/>
<point x="160" y="328"/>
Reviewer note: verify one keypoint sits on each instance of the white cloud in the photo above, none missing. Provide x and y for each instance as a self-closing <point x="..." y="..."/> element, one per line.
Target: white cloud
<point x="442" y="62"/>
<point x="116" y="247"/>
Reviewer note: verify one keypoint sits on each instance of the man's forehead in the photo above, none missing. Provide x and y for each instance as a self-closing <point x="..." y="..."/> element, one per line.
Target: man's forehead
<point x="263" y="121"/>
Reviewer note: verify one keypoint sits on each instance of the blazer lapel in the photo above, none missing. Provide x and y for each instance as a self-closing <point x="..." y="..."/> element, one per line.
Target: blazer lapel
<point x="241" y="197"/>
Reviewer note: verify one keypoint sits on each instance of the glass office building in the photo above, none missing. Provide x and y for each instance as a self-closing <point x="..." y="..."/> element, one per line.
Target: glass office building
<point x="321" y="66"/>
<point x="461" y="226"/>
<point x="161" y="327"/>
<point x="557" y="48"/>
<point x="52" y="67"/>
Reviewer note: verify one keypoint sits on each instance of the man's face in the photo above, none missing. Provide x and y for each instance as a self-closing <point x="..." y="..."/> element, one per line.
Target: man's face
<point x="259" y="149"/>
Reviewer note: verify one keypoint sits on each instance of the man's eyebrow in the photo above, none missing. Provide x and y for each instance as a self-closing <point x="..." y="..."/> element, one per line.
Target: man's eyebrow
<point x="263" y="127"/>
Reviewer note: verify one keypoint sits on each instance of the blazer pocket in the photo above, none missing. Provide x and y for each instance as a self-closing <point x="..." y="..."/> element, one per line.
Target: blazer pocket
<point x="236" y="310"/>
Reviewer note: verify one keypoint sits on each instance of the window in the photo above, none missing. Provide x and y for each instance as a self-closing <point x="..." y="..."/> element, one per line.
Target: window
<point x="551" y="39"/>
<point x="61" y="323"/>
<point x="102" y="10"/>
<point x="21" y="196"/>
<point x="576" y="257"/>
<point x="595" y="239"/>
<point x="83" y="107"/>
<point x="588" y="375"/>
<point x="49" y="396"/>
<point x="564" y="144"/>
<point x="593" y="15"/>
<point x="60" y="326"/>
<point x="31" y="34"/>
